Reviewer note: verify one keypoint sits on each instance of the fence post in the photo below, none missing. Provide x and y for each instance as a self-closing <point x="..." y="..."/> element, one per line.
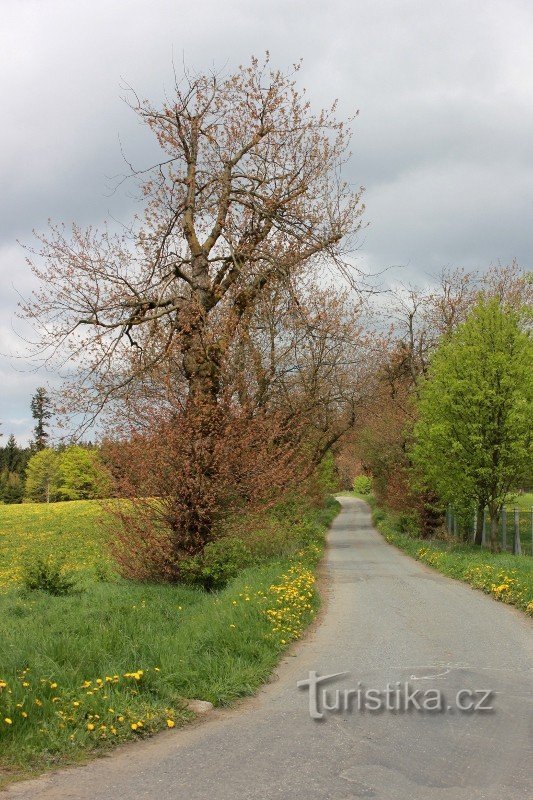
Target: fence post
<point x="504" y="528"/>
<point x="449" y="519"/>
<point x="455" y="525"/>
<point x="484" y="531"/>
<point x="475" y="526"/>
<point x="517" y="549"/>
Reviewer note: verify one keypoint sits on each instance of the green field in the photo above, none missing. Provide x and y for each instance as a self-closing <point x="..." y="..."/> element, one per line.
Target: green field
<point x="71" y="532"/>
<point x="114" y="660"/>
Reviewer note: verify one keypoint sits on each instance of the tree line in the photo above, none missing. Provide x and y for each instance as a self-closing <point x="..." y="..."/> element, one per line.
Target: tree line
<point x="453" y="421"/>
<point x="41" y="473"/>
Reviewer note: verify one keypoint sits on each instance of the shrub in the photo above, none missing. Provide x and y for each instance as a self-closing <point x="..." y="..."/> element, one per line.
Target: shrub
<point x="48" y="576"/>
<point x="362" y="484"/>
<point x="219" y="563"/>
<point x="408" y="523"/>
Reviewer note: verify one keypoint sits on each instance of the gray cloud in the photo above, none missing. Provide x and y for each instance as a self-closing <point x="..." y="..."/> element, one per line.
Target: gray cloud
<point x="443" y="143"/>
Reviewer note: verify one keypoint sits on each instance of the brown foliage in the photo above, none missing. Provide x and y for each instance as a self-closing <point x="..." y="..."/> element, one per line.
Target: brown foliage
<point x="187" y="473"/>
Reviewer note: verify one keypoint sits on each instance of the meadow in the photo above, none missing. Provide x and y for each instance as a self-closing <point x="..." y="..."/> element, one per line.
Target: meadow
<point x="115" y="660"/>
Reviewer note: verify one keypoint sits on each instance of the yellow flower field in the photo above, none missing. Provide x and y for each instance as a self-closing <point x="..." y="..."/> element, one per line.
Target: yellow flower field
<point x="68" y="532"/>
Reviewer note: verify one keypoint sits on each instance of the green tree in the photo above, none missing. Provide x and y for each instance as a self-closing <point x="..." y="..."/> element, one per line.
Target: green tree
<point x="82" y="475"/>
<point x="11" y="453"/>
<point x="473" y="441"/>
<point x="43" y="476"/>
<point x="40" y="409"/>
<point x="11" y="487"/>
<point x="13" y="460"/>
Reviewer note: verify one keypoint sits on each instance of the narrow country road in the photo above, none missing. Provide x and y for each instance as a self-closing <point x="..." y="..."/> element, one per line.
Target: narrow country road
<point x="387" y="619"/>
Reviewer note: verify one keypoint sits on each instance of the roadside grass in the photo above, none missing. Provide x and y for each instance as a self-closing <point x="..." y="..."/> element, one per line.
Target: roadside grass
<point x="114" y="660"/>
<point x="504" y="577"/>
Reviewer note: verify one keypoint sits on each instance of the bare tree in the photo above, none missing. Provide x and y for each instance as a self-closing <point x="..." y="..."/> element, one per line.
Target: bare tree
<point x="247" y="200"/>
<point x="248" y="194"/>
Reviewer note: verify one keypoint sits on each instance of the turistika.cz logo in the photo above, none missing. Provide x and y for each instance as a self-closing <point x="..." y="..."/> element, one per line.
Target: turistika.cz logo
<point x="397" y="697"/>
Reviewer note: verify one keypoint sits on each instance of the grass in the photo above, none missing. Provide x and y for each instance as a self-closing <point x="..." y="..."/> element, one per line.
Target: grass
<point x="506" y="578"/>
<point x="523" y="501"/>
<point x="72" y="532"/>
<point x="115" y="660"/>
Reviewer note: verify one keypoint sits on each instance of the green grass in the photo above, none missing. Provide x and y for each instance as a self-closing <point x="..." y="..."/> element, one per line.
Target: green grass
<point x="72" y="532"/>
<point x="504" y="577"/>
<point x="523" y="501"/>
<point x="115" y="660"/>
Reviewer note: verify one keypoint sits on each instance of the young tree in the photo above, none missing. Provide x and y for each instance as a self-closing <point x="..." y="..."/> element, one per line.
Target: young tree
<point x="40" y="409"/>
<point x="42" y="476"/>
<point x="82" y="475"/>
<point x="473" y="441"/>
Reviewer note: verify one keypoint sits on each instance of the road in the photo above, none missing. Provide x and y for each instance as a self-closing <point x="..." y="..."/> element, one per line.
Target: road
<point x="387" y="619"/>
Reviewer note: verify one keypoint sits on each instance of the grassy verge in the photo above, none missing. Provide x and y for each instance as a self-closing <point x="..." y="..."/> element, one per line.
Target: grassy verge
<point x="524" y="502"/>
<point x="504" y="577"/>
<point x="113" y="661"/>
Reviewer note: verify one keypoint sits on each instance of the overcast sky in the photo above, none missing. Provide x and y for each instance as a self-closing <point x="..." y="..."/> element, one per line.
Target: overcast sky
<point x="443" y="143"/>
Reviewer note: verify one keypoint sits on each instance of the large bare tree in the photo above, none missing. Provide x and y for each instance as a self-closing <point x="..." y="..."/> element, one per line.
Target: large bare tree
<point x="247" y="200"/>
<point x="248" y="193"/>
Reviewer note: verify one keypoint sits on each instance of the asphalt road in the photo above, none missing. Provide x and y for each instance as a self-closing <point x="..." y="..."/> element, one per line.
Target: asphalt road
<point x="388" y="619"/>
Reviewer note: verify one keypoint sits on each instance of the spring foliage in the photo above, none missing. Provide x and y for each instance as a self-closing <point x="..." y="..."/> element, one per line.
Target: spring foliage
<point x="473" y="440"/>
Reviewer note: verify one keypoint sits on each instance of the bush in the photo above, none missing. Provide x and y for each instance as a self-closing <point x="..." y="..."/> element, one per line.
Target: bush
<point x="408" y="523"/>
<point x="217" y="564"/>
<point x="362" y="484"/>
<point x="48" y="576"/>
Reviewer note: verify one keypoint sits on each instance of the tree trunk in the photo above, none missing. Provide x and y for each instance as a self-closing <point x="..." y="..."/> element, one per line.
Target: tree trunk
<point x="478" y="533"/>
<point x="494" y="516"/>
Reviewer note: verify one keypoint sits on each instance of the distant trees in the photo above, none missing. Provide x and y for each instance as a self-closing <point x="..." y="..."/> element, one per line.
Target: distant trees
<point x="74" y="473"/>
<point x="421" y="320"/>
<point x="13" y="460"/>
<point x="473" y="439"/>
<point x="82" y="475"/>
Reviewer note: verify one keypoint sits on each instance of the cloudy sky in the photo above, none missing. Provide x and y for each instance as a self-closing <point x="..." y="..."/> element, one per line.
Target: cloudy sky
<point x="443" y="143"/>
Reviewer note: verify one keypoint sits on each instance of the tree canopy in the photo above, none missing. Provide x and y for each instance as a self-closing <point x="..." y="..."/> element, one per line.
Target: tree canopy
<point x="473" y="442"/>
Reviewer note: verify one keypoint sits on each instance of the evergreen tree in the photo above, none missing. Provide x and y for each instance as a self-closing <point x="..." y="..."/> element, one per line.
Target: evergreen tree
<point x="40" y="409"/>
<point x="11" y="453"/>
<point x="13" y="461"/>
